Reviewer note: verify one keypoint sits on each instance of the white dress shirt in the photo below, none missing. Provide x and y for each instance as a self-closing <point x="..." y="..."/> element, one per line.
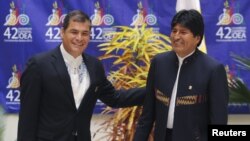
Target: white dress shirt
<point x="79" y="75"/>
<point x="170" y="120"/>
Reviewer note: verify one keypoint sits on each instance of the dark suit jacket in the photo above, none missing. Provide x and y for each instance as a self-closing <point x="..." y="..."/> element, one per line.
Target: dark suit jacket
<point x="202" y="97"/>
<point x="48" y="110"/>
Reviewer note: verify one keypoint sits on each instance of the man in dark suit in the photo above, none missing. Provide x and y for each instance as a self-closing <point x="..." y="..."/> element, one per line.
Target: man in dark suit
<point x="187" y="90"/>
<point x="59" y="89"/>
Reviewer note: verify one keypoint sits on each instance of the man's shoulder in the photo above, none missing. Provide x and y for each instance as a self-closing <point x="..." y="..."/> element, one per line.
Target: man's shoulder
<point x="208" y="60"/>
<point x="165" y="55"/>
<point x="45" y="54"/>
<point x="91" y="57"/>
<point x="91" y="60"/>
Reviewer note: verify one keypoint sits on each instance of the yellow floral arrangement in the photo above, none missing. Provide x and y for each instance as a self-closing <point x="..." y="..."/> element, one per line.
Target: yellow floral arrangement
<point x="131" y="48"/>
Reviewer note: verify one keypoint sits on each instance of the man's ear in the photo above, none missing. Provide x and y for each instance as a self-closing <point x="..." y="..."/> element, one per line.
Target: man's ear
<point x="198" y="38"/>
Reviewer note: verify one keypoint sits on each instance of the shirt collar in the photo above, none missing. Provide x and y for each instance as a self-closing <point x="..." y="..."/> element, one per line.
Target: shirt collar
<point x="182" y="58"/>
<point x="69" y="59"/>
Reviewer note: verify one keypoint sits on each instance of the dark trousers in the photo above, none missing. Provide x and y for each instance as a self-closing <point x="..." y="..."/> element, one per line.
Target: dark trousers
<point x="168" y="136"/>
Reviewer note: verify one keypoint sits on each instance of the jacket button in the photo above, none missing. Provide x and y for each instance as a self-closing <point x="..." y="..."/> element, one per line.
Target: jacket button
<point x="74" y="133"/>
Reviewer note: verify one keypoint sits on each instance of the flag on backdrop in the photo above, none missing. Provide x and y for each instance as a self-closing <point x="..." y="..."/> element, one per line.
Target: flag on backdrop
<point x="191" y="4"/>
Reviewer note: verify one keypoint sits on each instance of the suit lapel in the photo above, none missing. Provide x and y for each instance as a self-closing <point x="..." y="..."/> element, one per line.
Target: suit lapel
<point x="90" y="68"/>
<point x="62" y="72"/>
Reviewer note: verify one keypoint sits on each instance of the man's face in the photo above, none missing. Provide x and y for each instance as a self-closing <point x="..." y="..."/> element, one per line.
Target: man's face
<point x="183" y="41"/>
<point x="76" y="37"/>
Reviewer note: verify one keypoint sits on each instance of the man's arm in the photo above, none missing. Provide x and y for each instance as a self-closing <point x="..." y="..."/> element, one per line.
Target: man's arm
<point x="218" y="96"/>
<point x="121" y="98"/>
<point x="30" y="97"/>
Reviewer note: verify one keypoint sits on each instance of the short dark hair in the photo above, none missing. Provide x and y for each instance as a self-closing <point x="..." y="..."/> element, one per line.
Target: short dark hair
<point x="190" y="19"/>
<point x="76" y="16"/>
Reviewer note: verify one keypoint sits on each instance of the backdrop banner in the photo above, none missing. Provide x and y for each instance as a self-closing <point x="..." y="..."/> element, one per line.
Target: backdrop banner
<point x="29" y="27"/>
